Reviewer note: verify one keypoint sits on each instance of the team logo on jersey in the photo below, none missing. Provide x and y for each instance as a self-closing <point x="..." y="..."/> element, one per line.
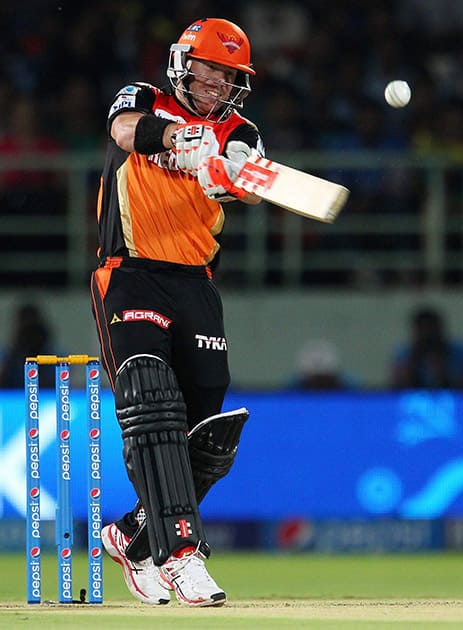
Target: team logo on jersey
<point x="129" y="90"/>
<point x="231" y="42"/>
<point x="115" y="319"/>
<point x="123" y="101"/>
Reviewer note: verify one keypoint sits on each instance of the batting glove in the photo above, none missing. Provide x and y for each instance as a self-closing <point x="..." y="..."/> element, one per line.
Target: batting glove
<point x="192" y="144"/>
<point x="217" y="174"/>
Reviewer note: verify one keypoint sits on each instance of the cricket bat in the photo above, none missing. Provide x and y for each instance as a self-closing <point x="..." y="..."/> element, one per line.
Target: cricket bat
<point x="291" y="189"/>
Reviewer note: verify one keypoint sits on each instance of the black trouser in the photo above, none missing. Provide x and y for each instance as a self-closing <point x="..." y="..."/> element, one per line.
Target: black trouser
<point x="171" y="311"/>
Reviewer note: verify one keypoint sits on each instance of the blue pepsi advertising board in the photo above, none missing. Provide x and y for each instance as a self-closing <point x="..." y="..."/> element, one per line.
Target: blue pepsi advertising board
<point x="319" y="456"/>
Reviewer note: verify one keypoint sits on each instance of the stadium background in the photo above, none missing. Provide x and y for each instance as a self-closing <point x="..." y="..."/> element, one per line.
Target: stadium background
<point x="321" y="75"/>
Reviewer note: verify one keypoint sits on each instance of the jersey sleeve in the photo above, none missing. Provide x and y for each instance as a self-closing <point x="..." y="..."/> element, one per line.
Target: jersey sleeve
<point x="249" y="134"/>
<point x="135" y="97"/>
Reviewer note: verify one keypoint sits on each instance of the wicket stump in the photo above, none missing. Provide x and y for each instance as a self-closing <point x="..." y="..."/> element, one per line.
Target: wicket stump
<point x="64" y="519"/>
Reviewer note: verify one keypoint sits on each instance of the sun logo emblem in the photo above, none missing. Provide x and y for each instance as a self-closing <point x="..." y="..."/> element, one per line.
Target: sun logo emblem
<point x="231" y="43"/>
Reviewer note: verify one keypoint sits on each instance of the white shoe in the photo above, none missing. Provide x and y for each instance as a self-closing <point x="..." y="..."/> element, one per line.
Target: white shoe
<point x="142" y="578"/>
<point x="188" y="577"/>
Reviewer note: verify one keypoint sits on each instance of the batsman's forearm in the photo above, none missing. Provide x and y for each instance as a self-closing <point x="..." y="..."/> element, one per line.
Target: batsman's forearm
<point x="169" y="134"/>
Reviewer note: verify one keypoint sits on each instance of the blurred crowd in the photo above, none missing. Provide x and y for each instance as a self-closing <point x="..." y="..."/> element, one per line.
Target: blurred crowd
<point x="429" y="357"/>
<point x="320" y="80"/>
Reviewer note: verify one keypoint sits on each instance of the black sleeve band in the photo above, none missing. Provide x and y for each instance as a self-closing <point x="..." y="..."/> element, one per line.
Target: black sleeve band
<point x="148" y="134"/>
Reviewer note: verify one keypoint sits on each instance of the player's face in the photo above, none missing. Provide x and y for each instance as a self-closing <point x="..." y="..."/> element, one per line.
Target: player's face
<point x="210" y="85"/>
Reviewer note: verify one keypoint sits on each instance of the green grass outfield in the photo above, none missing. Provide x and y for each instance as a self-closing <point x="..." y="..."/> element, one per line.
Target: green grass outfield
<point x="265" y="591"/>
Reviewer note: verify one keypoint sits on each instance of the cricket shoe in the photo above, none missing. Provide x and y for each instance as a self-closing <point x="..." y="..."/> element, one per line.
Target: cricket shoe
<point x="188" y="577"/>
<point x="142" y="578"/>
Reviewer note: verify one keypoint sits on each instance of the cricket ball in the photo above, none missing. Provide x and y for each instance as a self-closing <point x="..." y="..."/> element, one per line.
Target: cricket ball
<point x="397" y="93"/>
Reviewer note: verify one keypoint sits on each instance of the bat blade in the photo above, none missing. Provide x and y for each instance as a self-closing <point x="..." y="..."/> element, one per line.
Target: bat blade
<point x="291" y="189"/>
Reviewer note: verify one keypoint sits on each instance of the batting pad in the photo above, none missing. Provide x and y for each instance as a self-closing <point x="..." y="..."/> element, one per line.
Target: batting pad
<point x="152" y="416"/>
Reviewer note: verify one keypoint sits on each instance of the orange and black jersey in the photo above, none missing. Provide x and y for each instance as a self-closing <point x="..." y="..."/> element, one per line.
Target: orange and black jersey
<point x="147" y="208"/>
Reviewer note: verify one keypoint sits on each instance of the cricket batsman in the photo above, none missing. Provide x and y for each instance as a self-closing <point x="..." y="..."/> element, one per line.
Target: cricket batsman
<point x="173" y="156"/>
